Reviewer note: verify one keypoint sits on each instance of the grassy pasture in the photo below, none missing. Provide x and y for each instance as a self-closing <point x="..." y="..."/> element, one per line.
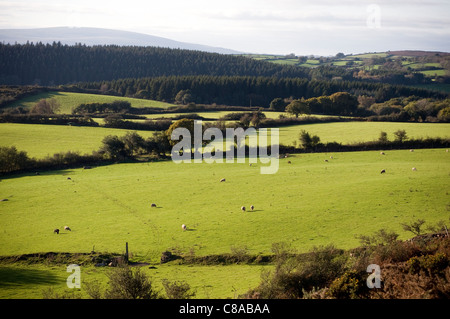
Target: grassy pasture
<point x="352" y="132"/>
<point x="31" y="281"/>
<point x="42" y="140"/>
<point x="213" y="115"/>
<point x="440" y="72"/>
<point x="69" y="100"/>
<point x="309" y="202"/>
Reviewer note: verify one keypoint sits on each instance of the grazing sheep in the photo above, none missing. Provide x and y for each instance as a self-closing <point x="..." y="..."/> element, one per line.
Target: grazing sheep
<point x="153" y="205"/>
<point x="252" y="207"/>
<point x="325" y="160"/>
<point x="289" y="162"/>
<point x="56" y="231"/>
<point x="243" y="208"/>
<point x="382" y="153"/>
<point x="183" y="227"/>
<point x="411" y="150"/>
<point x="414" y="169"/>
<point x="331" y="157"/>
<point x="68" y="178"/>
<point x="383" y="171"/>
<point x="222" y="180"/>
<point x="67" y="228"/>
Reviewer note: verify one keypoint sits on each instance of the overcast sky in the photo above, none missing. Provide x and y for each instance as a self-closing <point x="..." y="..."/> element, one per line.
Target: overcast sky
<point x="323" y="27"/>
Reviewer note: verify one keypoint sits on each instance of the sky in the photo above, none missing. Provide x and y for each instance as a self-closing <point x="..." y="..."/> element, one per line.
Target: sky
<point x="320" y="27"/>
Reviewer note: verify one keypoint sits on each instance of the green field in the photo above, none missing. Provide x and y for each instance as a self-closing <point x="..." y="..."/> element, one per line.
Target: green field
<point x="68" y="100"/>
<point x="214" y="114"/>
<point x="314" y="201"/>
<point x="307" y="203"/>
<point x="217" y="282"/>
<point x="42" y="140"/>
<point x="354" y="132"/>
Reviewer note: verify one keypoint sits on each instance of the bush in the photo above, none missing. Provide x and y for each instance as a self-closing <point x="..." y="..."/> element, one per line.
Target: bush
<point x="350" y="285"/>
<point x="433" y="264"/>
<point x="308" y="141"/>
<point x="44" y="106"/>
<point x="126" y="283"/>
<point x="177" y="290"/>
<point x="414" y="227"/>
<point x="400" y="136"/>
<point x="296" y="275"/>
<point x="13" y="160"/>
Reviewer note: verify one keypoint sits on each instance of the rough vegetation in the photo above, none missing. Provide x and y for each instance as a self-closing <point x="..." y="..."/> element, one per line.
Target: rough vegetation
<point x="415" y="269"/>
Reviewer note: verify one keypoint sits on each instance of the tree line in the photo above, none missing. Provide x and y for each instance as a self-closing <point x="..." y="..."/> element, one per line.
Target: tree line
<point x="242" y="90"/>
<point x="54" y="64"/>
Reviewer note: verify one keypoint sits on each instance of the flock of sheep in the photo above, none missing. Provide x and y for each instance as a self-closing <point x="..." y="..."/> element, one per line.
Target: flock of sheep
<point x="243" y="208"/>
<point x="413" y="169"/>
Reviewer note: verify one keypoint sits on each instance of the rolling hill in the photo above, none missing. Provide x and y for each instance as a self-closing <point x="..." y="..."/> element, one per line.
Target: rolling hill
<point x="99" y="36"/>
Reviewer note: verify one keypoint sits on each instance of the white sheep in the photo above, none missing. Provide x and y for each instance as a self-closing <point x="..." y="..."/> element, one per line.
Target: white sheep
<point x="414" y="169"/>
<point x="252" y="207"/>
<point x="183" y="227"/>
<point x="153" y="205"/>
<point x="383" y="171"/>
<point x="411" y="150"/>
<point x="243" y="208"/>
<point x="67" y="228"/>
<point x="222" y="180"/>
<point x="382" y="153"/>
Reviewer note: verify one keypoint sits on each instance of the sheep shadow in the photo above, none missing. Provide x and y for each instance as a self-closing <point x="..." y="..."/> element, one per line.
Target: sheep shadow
<point x="191" y="229"/>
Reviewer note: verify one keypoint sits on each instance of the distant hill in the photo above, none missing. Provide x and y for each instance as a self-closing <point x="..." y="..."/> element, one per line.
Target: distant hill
<point x="98" y="36"/>
<point x="416" y="53"/>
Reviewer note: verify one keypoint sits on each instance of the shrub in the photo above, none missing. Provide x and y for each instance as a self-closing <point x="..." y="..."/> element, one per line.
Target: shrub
<point x="414" y="227"/>
<point x="295" y="275"/>
<point x="433" y="264"/>
<point x="383" y="137"/>
<point x="400" y="136"/>
<point x="126" y="283"/>
<point x="308" y="141"/>
<point x="350" y="285"/>
<point x="45" y="106"/>
<point x="13" y="160"/>
<point x="177" y="290"/>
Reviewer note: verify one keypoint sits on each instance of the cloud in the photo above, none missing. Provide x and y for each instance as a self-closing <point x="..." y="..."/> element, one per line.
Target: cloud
<point x="284" y="25"/>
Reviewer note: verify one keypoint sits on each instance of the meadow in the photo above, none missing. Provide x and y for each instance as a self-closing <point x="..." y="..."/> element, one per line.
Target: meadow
<point x="316" y="200"/>
<point x="310" y="202"/>
<point x="355" y="132"/>
<point x="42" y="140"/>
<point x="69" y="100"/>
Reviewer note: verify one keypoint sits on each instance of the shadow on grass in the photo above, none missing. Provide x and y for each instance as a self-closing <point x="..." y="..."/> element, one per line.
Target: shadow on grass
<point x="12" y="276"/>
<point x="39" y="173"/>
